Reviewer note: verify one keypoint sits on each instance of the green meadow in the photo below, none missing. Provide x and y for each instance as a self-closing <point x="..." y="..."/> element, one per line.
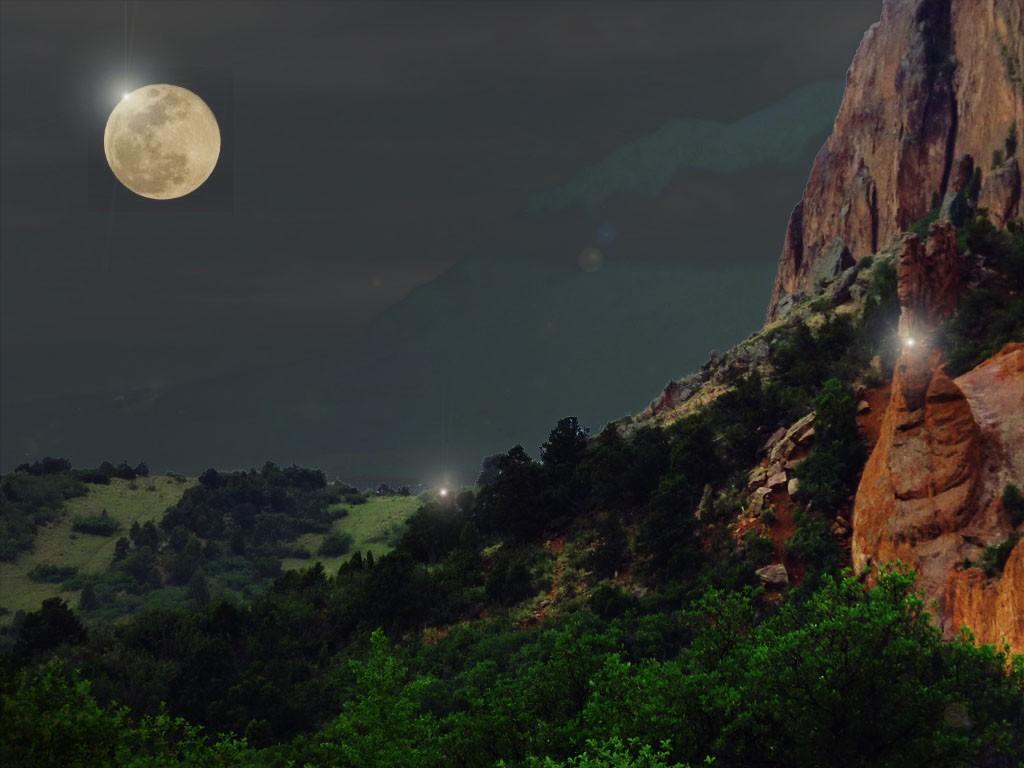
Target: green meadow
<point x="374" y="526"/>
<point x="125" y="501"/>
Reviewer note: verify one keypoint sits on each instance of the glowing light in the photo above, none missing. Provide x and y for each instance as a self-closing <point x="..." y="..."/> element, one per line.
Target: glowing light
<point x="443" y="492"/>
<point x="125" y="96"/>
<point x="909" y="341"/>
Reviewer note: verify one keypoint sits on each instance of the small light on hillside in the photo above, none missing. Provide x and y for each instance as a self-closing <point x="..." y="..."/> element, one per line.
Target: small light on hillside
<point x="909" y="341"/>
<point x="443" y="492"/>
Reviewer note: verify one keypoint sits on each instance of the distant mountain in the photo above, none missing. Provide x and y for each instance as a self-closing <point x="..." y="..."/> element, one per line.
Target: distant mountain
<point x="777" y="134"/>
<point x="680" y="227"/>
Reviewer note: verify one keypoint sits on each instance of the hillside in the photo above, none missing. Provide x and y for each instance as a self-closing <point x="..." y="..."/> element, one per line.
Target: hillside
<point x="116" y="546"/>
<point x="58" y="544"/>
<point x="808" y="553"/>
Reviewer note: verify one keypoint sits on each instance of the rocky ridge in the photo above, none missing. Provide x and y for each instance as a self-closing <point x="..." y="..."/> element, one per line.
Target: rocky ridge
<point x="935" y="91"/>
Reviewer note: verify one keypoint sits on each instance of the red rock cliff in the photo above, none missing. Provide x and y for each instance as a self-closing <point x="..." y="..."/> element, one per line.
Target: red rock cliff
<point x="934" y="88"/>
<point x="930" y="492"/>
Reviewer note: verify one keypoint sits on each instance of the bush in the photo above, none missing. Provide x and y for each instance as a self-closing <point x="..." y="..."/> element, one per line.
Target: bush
<point x="1013" y="503"/>
<point x="509" y="581"/>
<point x="46" y="573"/>
<point x="827" y="476"/>
<point x="98" y="525"/>
<point x="28" y="500"/>
<point x="335" y="545"/>
<point x="994" y="558"/>
<point x="611" y="548"/>
<point x="813" y="543"/>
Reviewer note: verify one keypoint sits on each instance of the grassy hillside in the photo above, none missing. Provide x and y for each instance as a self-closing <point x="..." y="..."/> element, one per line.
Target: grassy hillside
<point x="374" y="526"/>
<point x="125" y="501"/>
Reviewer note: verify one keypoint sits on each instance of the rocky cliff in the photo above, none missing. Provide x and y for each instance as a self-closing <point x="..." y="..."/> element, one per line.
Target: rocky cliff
<point x="934" y="102"/>
<point x="930" y="495"/>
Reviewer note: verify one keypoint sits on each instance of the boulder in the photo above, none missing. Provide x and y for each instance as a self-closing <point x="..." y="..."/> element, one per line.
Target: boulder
<point x="773" y="575"/>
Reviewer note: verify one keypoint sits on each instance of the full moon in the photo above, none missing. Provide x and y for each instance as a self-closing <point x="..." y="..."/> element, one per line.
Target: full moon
<point x="162" y="141"/>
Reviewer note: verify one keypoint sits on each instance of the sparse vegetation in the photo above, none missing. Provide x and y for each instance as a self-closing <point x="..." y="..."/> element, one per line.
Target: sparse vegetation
<point x="994" y="558"/>
<point x="1013" y="504"/>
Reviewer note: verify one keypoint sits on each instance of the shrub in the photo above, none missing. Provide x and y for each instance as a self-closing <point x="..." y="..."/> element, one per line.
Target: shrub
<point x="612" y="547"/>
<point x="1013" y="503"/>
<point x="920" y="227"/>
<point x="994" y="558"/>
<point x="813" y="543"/>
<point x="335" y="545"/>
<point x="509" y="581"/>
<point x="827" y="475"/>
<point x="98" y="525"/>
<point x="47" y="573"/>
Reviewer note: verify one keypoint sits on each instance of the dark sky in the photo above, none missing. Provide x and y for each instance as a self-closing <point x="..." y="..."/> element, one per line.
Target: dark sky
<point x="363" y="283"/>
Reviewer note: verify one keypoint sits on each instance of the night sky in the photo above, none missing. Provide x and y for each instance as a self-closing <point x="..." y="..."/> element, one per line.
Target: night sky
<point x="382" y="278"/>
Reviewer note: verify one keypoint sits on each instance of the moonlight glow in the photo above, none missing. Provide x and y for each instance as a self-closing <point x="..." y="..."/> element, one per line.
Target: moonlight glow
<point x="161" y="141"/>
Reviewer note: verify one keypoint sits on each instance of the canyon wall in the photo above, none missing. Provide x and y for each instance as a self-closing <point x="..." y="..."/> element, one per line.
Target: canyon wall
<point x="935" y="96"/>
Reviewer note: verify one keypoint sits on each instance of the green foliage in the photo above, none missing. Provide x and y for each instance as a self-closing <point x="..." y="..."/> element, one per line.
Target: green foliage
<point x="509" y="580"/>
<point x="813" y="544"/>
<point x="521" y="502"/>
<point x="1013" y="504"/>
<point x="564" y="449"/>
<point x="921" y="226"/>
<point x="52" y="625"/>
<point x="611" y="548"/>
<point x="199" y="589"/>
<point x="613" y="753"/>
<point x="991" y="314"/>
<point x="52" y="720"/>
<point x="879" y="320"/>
<point x="828" y="475"/>
<point x="383" y="725"/>
<point x="48" y="573"/>
<point x="29" y="500"/>
<point x="97" y="525"/>
<point x="815" y="684"/>
<point x="336" y="544"/>
<point x="993" y="559"/>
<point x="984" y="321"/>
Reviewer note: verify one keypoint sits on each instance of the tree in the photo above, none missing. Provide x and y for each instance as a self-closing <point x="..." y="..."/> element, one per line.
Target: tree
<point x="88" y="601"/>
<point x="827" y="476"/>
<point x="564" y="449"/>
<point x="521" y="502"/>
<point x="382" y="726"/>
<point x="121" y="549"/>
<point x="52" y="625"/>
<point x="187" y="561"/>
<point x="199" y="589"/>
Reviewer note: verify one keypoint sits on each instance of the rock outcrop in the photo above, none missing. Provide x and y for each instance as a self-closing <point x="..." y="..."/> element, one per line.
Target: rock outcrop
<point x="929" y="495"/>
<point x="936" y="86"/>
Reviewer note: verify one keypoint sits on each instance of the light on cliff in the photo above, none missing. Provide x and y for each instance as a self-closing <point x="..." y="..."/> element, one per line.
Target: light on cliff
<point x="909" y="341"/>
<point x="442" y="492"/>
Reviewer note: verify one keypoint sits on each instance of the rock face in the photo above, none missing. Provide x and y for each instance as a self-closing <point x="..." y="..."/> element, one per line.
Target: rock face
<point x="930" y="492"/>
<point x="936" y="86"/>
